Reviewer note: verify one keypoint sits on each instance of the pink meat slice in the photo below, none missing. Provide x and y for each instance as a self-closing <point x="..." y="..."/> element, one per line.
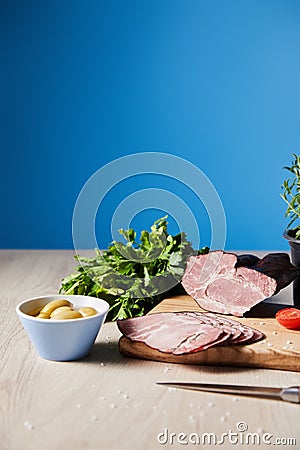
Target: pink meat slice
<point x="248" y="334"/>
<point x="198" y="342"/>
<point x="240" y="333"/>
<point x="219" y="284"/>
<point x="172" y="332"/>
<point x="233" y="332"/>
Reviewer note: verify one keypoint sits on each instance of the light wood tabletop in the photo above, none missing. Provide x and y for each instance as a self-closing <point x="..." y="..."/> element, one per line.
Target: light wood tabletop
<point x="107" y="401"/>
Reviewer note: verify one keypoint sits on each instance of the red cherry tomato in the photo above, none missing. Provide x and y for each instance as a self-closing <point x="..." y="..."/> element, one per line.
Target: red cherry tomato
<point x="289" y="318"/>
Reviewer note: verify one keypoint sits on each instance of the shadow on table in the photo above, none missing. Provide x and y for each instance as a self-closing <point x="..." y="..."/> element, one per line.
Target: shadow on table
<point x="105" y="353"/>
<point x="220" y="370"/>
<point x="265" y="310"/>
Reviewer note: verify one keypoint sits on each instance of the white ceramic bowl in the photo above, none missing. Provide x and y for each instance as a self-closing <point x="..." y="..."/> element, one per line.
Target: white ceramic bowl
<point x="63" y="340"/>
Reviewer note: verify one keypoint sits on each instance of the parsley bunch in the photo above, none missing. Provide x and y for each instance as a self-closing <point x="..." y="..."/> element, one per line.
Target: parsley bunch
<point x="135" y="276"/>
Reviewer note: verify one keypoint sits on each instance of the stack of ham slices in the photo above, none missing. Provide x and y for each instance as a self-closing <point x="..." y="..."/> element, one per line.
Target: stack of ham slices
<point x="180" y="333"/>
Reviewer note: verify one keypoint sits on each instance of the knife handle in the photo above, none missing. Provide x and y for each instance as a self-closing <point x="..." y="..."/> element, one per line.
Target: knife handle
<point x="291" y="394"/>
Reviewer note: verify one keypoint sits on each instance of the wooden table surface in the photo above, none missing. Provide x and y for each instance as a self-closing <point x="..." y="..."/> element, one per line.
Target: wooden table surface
<point x="107" y="401"/>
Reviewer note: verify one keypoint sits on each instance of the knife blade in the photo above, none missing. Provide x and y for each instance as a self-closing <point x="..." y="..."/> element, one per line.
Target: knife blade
<point x="289" y="394"/>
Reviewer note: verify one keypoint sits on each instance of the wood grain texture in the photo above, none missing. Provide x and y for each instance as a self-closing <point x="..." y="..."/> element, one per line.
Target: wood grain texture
<point x="108" y="401"/>
<point x="280" y="349"/>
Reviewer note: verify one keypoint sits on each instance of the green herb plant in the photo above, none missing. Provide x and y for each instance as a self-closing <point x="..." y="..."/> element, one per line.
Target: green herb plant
<point x="133" y="276"/>
<point x="291" y="195"/>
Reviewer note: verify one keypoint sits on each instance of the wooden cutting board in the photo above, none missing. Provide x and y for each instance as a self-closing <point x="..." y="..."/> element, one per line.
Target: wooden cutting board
<point x="280" y="349"/>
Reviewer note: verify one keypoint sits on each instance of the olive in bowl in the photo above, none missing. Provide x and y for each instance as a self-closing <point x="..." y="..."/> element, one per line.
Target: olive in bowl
<point x="71" y="332"/>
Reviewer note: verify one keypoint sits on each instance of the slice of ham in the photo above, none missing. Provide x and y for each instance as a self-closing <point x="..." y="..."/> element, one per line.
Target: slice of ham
<point x="248" y="334"/>
<point x="240" y="333"/>
<point x="229" y="284"/>
<point x="171" y="332"/>
<point x="186" y="332"/>
<point x="234" y="333"/>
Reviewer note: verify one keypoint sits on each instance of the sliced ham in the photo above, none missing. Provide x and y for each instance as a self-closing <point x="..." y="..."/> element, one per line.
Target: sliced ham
<point x="234" y="333"/>
<point x="230" y="284"/>
<point x="240" y="333"/>
<point x="171" y="333"/>
<point x="247" y="334"/>
<point x="186" y="332"/>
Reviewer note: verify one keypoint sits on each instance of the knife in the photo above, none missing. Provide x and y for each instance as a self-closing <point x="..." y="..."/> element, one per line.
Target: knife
<point x="290" y="394"/>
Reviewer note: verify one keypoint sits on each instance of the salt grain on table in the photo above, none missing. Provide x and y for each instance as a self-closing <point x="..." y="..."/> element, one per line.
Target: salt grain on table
<point x="172" y="389"/>
<point x="211" y="405"/>
<point x="112" y="405"/>
<point x="28" y="425"/>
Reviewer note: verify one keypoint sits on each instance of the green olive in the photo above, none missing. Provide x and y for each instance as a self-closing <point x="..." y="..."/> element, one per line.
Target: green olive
<point x="65" y="315"/>
<point x="51" y="306"/>
<point x="42" y="316"/>
<point x="35" y="311"/>
<point x="87" y="311"/>
<point x="59" y="310"/>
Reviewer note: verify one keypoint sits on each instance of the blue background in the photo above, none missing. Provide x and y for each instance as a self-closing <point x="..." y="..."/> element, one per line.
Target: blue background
<point x="86" y="82"/>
